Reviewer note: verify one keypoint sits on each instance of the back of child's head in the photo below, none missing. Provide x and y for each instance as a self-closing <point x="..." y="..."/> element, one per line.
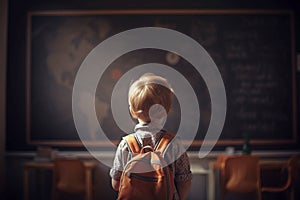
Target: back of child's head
<point x="147" y="91"/>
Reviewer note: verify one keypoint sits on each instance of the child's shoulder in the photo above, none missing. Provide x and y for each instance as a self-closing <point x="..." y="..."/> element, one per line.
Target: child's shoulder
<point x="128" y="135"/>
<point x="123" y="143"/>
<point x="176" y="145"/>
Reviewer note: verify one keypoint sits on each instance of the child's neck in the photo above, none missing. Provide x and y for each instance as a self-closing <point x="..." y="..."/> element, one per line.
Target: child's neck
<point x="142" y="122"/>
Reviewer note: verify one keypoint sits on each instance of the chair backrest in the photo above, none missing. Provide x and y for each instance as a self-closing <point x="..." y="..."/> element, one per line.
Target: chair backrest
<point x="242" y="173"/>
<point x="292" y="175"/>
<point x="69" y="175"/>
<point x="293" y="168"/>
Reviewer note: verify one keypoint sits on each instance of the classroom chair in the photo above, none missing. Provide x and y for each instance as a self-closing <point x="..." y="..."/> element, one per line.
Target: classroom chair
<point x="291" y="168"/>
<point x="240" y="174"/>
<point x="69" y="178"/>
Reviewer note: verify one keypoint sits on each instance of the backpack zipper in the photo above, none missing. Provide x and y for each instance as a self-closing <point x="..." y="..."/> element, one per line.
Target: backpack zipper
<point x="143" y="178"/>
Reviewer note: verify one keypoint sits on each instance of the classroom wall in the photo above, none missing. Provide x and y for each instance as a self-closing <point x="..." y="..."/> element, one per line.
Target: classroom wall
<point x="3" y="32"/>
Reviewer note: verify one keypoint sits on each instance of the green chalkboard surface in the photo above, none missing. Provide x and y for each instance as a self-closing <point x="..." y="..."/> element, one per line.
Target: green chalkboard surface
<point x="253" y="50"/>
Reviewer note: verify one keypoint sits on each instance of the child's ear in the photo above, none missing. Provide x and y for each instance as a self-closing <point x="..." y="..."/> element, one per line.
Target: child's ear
<point x="132" y="113"/>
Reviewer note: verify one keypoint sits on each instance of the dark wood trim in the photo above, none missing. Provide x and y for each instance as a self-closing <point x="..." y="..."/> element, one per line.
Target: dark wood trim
<point x="72" y="143"/>
<point x="294" y="83"/>
<point x="28" y="68"/>
<point x="3" y="63"/>
<point x="3" y="67"/>
<point x="159" y="12"/>
<point x="240" y="142"/>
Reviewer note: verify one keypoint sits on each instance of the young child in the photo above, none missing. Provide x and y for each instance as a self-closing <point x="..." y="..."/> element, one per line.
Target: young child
<point x="150" y="99"/>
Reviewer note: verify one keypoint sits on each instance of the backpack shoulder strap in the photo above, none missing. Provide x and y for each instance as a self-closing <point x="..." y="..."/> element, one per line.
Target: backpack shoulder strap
<point x="164" y="141"/>
<point x="132" y="144"/>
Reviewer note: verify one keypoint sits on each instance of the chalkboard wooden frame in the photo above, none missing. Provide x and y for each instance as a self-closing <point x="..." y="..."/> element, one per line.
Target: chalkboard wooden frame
<point x="238" y="141"/>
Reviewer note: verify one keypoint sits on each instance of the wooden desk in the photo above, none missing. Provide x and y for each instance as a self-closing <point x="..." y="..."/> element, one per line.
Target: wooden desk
<point x="198" y="169"/>
<point x="264" y="164"/>
<point x="89" y="166"/>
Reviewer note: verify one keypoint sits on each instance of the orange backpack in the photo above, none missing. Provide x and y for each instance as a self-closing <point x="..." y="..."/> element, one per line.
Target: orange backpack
<point x="157" y="182"/>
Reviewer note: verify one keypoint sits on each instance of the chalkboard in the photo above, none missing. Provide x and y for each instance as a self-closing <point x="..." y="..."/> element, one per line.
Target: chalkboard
<point x="253" y="50"/>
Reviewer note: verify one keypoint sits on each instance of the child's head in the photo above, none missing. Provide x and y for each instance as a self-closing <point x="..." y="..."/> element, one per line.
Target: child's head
<point x="147" y="91"/>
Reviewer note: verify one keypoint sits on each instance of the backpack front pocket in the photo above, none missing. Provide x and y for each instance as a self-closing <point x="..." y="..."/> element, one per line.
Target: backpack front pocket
<point x="142" y="178"/>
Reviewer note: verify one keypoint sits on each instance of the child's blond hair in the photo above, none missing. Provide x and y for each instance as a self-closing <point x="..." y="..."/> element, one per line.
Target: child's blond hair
<point x="147" y="91"/>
